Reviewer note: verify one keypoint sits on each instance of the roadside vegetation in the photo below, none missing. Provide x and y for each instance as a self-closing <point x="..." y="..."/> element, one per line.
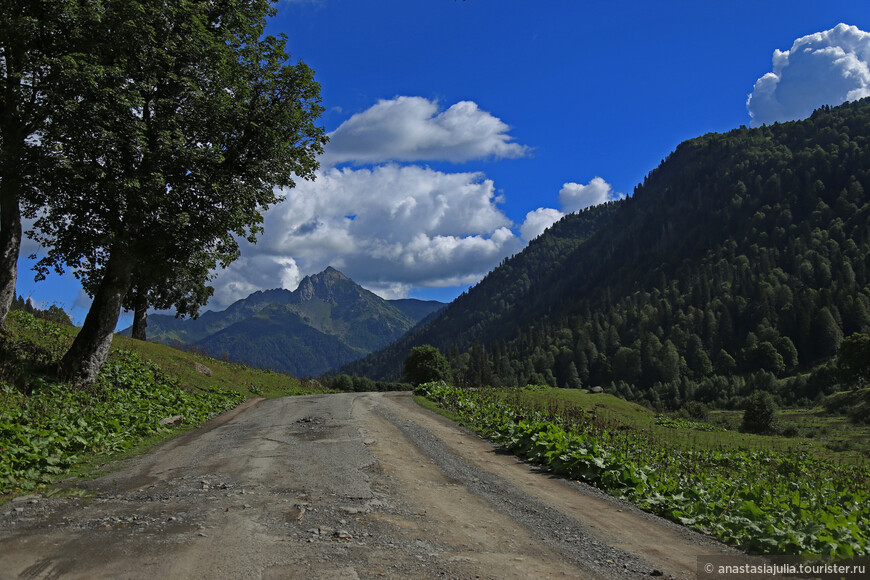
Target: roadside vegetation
<point x="818" y="430"/>
<point x="51" y="429"/>
<point x="764" y="494"/>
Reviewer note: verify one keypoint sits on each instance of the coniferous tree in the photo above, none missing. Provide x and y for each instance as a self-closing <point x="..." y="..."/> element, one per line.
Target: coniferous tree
<point x="827" y="333"/>
<point x="760" y="413"/>
<point x="853" y="360"/>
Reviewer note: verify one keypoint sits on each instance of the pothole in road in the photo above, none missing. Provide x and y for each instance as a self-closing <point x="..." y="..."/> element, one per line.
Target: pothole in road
<point x="312" y="429"/>
<point x="311" y="420"/>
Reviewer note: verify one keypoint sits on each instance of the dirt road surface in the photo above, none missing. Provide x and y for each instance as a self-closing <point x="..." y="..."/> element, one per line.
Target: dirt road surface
<point x="357" y="485"/>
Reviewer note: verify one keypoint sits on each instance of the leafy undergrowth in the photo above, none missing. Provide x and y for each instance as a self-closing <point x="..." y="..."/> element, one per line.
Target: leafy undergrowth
<point x="768" y="502"/>
<point x="680" y="423"/>
<point x="49" y="429"/>
<point x="43" y="433"/>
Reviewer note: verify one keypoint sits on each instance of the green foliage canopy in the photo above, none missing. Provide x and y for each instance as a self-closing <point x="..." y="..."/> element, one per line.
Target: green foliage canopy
<point x="425" y="364"/>
<point x="760" y="413"/>
<point x="178" y="122"/>
<point x="33" y="43"/>
<point x="853" y="360"/>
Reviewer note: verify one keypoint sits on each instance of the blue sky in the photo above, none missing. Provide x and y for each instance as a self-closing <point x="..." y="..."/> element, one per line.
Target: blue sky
<point x="461" y="128"/>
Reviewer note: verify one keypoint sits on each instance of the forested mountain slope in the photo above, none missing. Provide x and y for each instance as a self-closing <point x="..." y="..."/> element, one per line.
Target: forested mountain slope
<point x="500" y="298"/>
<point x="743" y="258"/>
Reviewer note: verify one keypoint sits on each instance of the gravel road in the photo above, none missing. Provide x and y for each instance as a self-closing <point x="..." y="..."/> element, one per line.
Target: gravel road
<point x="357" y="485"/>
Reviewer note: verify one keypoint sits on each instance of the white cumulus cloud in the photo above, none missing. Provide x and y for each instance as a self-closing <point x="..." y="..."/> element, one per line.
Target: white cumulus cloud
<point x="573" y="197"/>
<point x="252" y="272"/>
<point x="28" y="246"/>
<point x="825" y="68"/>
<point x="539" y="220"/>
<point x="415" y="129"/>
<point x="389" y="228"/>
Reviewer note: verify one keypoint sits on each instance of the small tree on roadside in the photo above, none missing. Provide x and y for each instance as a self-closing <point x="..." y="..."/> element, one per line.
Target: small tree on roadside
<point x="425" y="364"/>
<point x="760" y="413"/>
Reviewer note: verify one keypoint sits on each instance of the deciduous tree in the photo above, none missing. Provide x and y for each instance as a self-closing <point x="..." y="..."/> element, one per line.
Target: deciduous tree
<point x="171" y="282"/>
<point x="424" y="364"/>
<point x="178" y="127"/>
<point x="34" y="36"/>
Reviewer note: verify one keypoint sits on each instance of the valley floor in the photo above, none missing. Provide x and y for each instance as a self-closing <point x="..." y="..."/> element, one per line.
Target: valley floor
<point x="357" y="485"/>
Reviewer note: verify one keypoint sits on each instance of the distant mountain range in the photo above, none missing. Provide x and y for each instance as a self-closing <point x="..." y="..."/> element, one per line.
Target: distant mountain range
<point x="327" y="321"/>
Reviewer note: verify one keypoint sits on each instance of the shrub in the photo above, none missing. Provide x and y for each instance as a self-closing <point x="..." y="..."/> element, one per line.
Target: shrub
<point x="342" y="382"/>
<point x="760" y="413"/>
<point x="696" y="410"/>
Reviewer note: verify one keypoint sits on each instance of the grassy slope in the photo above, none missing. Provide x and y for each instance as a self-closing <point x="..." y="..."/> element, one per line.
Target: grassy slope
<point x="833" y="436"/>
<point x="830" y="436"/>
<point x="225" y="375"/>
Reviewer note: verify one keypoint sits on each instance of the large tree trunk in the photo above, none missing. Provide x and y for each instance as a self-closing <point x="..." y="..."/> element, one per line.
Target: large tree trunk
<point x="13" y="135"/>
<point x="140" y="316"/>
<point x="89" y="350"/>
<point x="10" y="244"/>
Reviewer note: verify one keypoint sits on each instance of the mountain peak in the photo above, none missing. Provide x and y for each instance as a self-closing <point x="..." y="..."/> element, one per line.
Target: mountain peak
<point x="329" y="273"/>
<point x="332" y="273"/>
<point x="327" y="321"/>
<point x="323" y="286"/>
